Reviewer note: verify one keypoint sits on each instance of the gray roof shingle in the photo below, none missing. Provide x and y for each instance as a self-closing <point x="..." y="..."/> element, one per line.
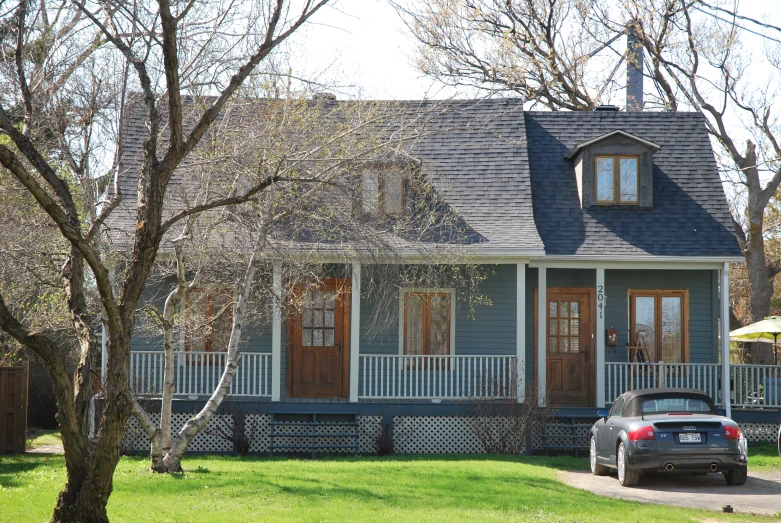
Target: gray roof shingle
<point x="690" y="216"/>
<point x="503" y="170"/>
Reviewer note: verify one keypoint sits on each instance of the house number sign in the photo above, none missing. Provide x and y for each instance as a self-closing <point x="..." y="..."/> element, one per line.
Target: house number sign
<point x="601" y="300"/>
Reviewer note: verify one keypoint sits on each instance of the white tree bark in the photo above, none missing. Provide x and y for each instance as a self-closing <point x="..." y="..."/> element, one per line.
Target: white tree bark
<point x="173" y="458"/>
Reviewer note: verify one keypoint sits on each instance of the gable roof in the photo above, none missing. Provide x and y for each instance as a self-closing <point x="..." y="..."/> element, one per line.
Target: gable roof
<point x="689" y="218"/>
<point x="619" y="132"/>
<point x="506" y="173"/>
<point x="476" y="147"/>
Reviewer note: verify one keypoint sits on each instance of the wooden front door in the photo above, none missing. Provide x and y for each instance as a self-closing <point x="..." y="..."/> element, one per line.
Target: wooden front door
<point x="570" y="342"/>
<point x="318" y="341"/>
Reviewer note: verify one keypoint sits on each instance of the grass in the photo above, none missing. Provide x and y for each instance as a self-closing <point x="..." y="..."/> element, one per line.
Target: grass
<point x="764" y="458"/>
<point x="398" y="488"/>
<point x="40" y="437"/>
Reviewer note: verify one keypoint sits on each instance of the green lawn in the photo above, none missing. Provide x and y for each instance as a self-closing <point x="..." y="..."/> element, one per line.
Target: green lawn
<point x="39" y="437"/>
<point x="399" y="488"/>
<point x="764" y="457"/>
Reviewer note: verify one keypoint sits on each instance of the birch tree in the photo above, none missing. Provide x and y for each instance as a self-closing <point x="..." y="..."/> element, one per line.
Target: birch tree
<point x="698" y="59"/>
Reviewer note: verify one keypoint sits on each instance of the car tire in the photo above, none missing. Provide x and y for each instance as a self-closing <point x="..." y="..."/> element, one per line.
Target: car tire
<point x="626" y="476"/>
<point x="596" y="468"/>
<point x="737" y="476"/>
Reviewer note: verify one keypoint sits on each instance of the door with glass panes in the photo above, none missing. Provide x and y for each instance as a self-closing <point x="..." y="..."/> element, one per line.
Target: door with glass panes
<point x="318" y="340"/>
<point x="569" y="347"/>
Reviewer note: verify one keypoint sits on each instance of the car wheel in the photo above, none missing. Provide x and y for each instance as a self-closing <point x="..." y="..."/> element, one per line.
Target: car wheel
<point x="737" y="476"/>
<point x="596" y="468"/>
<point x="626" y="476"/>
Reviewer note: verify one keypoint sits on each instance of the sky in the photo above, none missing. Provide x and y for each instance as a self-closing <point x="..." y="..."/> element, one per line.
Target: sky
<point x="364" y="44"/>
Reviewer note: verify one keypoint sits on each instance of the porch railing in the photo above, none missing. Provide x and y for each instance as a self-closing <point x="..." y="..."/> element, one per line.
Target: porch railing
<point x="198" y="373"/>
<point x="432" y="377"/>
<point x="623" y="377"/>
<point x="750" y="385"/>
<point x="756" y="385"/>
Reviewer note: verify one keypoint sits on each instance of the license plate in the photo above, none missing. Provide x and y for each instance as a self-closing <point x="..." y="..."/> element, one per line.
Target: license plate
<point x="690" y="438"/>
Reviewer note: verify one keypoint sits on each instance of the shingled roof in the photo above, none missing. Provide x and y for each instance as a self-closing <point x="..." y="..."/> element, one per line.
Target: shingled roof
<point x="689" y="217"/>
<point x="504" y="172"/>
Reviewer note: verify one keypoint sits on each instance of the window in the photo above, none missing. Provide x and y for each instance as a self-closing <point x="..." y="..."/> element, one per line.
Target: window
<point x="318" y="319"/>
<point x="427" y="322"/>
<point x="617" y="179"/>
<point x="383" y="192"/>
<point x="659" y="321"/>
<point x="617" y="409"/>
<point x="675" y="404"/>
<point x="209" y="318"/>
<point x="564" y="327"/>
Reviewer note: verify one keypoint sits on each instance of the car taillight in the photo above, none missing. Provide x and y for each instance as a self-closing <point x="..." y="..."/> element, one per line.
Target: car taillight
<point x="641" y="433"/>
<point x="731" y="432"/>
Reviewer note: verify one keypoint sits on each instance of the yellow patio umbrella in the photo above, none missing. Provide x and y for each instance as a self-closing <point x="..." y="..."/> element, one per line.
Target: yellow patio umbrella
<point x="765" y="331"/>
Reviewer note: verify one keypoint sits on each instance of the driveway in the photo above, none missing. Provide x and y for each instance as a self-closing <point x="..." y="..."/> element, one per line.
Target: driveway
<point x="760" y="495"/>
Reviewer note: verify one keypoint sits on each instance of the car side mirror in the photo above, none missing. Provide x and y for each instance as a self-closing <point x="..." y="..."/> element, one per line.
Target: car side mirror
<point x="721" y="412"/>
<point x="602" y="413"/>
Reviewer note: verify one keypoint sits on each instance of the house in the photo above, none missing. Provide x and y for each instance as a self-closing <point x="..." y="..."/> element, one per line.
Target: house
<point x="606" y="239"/>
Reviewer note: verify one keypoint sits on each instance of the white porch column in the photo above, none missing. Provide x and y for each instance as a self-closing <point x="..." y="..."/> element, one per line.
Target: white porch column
<point x="355" y="331"/>
<point x="542" y="336"/>
<point x="520" y="331"/>
<point x="276" y="334"/>
<point x="725" y="373"/>
<point x="600" y="342"/>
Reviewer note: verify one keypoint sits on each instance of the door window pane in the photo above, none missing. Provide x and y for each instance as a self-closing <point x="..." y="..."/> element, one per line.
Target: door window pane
<point x="564" y="327"/>
<point x="645" y="324"/>
<point x="317" y="318"/>
<point x="672" y="334"/>
<point x="658" y="319"/>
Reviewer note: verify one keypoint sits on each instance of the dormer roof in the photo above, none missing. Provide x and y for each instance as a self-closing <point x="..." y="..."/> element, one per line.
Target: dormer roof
<point x="574" y="152"/>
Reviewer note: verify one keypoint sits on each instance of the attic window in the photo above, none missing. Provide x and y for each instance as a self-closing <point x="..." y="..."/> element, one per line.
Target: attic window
<point x="616" y="179"/>
<point x="382" y="192"/>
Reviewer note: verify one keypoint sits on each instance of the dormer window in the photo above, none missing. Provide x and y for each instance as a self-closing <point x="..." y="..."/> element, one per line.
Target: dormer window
<point x="383" y="192"/>
<point x="616" y="179"/>
<point x="614" y="169"/>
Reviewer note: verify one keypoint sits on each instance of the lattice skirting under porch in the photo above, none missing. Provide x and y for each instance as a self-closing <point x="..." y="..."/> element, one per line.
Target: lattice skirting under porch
<point x="412" y="434"/>
<point x="257" y="426"/>
<point x="760" y="431"/>
<point x="207" y="440"/>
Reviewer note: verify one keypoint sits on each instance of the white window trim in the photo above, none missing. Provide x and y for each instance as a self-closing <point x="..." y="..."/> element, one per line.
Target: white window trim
<point x="449" y="290"/>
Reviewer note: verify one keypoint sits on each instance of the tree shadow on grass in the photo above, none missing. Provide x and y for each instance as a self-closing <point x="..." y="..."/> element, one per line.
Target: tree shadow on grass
<point x="12" y="467"/>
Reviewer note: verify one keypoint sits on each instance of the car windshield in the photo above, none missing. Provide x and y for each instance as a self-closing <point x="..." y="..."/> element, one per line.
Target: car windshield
<point x="675" y="404"/>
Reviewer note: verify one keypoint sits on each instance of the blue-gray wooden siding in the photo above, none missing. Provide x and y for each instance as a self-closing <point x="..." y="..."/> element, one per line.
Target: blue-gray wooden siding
<point x="490" y="329"/>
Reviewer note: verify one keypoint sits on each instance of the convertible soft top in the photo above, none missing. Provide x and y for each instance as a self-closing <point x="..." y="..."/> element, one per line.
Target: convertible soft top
<point x="632" y="407"/>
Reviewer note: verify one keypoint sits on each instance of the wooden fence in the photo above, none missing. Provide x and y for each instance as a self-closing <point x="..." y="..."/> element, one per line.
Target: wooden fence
<point x="13" y="408"/>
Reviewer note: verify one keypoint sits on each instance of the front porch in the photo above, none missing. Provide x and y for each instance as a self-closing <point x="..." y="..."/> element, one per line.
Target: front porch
<point x="500" y="351"/>
<point x="395" y="378"/>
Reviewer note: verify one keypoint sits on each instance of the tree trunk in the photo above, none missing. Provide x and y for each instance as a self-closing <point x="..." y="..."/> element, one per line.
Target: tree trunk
<point x="760" y="280"/>
<point x="90" y="466"/>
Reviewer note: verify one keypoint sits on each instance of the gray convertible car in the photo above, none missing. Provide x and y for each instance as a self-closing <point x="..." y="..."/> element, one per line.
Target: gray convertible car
<point x="667" y="430"/>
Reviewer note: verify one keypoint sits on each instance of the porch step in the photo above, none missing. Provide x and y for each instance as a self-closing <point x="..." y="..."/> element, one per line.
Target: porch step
<point x="567" y="434"/>
<point x="306" y="432"/>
